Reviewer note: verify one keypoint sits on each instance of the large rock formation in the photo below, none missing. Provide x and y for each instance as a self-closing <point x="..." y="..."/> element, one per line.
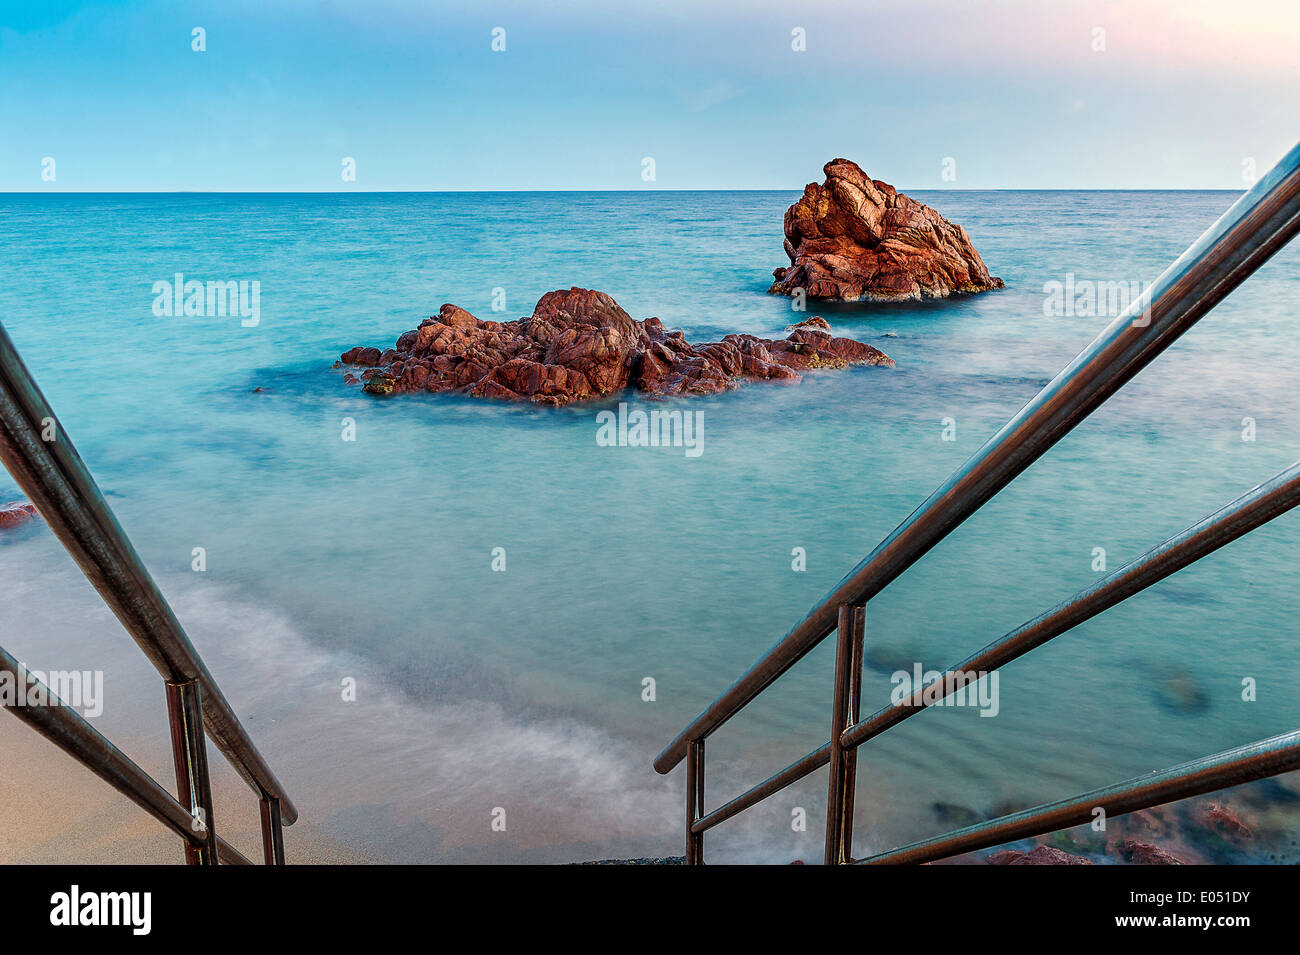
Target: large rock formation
<point x="854" y="238"/>
<point x="579" y="345"/>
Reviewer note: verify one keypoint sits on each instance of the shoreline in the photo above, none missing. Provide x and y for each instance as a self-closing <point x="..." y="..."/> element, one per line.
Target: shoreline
<point x="62" y="814"/>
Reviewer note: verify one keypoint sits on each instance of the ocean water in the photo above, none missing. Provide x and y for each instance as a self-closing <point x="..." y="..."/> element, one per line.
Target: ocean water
<point x="479" y="690"/>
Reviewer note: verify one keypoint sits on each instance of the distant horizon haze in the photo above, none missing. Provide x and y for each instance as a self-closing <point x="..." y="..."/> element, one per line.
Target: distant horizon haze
<point x="575" y="191"/>
<point x="454" y="96"/>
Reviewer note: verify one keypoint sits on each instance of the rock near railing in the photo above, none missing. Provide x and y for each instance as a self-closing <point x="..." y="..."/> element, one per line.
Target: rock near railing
<point x="15" y="515"/>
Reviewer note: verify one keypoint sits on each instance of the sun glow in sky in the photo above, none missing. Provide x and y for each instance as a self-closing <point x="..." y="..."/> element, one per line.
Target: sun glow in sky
<point x="1016" y="93"/>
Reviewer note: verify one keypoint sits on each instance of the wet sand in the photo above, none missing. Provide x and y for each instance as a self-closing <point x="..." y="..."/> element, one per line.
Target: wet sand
<point x="53" y="811"/>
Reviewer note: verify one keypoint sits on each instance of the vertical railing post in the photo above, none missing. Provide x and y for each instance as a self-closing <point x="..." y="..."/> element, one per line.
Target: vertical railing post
<point x="845" y="712"/>
<point x="190" y="756"/>
<point x="694" y="801"/>
<point x="272" y="832"/>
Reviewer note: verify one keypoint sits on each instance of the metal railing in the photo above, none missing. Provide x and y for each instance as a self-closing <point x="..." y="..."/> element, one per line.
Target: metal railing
<point x="1260" y="223"/>
<point x="46" y="466"/>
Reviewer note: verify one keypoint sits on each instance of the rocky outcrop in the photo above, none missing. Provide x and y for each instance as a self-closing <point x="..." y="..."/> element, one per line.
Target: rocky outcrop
<point x="16" y="515"/>
<point x="1219" y="820"/>
<point x="854" y="238"/>
<point x="579" y="345"/>
<point x="1043" y="855"/>
<point x="1143" y="853"/>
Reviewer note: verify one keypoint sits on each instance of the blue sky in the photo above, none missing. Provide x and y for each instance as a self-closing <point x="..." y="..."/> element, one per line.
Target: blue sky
<point x="1182" y="94"/>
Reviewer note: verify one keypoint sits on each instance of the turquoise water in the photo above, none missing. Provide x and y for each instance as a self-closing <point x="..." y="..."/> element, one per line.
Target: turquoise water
<point x="372" y="559"/>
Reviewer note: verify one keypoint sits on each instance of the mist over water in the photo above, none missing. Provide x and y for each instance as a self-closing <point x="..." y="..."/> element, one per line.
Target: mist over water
<point x="372" y="559"/>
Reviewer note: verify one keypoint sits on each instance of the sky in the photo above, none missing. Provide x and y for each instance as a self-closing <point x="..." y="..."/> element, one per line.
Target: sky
<point x="925" y="94"/>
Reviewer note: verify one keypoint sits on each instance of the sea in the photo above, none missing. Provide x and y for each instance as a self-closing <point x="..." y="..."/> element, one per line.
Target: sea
<point x="460" y="631"/>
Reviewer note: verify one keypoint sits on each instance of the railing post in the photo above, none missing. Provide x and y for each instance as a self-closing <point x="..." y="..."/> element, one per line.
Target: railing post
<point x="845" y="712"/>
<point x="694" y="801"/>
<point x="272" y="832"/>
<point x="190" y="756"/>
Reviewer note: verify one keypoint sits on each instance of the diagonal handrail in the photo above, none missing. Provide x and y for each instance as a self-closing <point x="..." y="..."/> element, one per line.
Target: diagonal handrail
<point x="1247" y="513"/>
<point x="1242" y="764"/>
<point x="1262" y="221"/>
<point x="44" y="462"/>
<point x="56" y="480"/>
<point x="71" y="732"/>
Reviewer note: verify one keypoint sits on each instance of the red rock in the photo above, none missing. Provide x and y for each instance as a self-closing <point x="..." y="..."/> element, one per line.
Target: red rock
<point x="1222" y="820"/>
<point x="1043" y="855"/>
<point x="815" y="322"/>
<point x="361" y="356"/>
<point x="858" y="239"/>
<point x="1143" y="853"/>
<point x="1005" y="857"/>
<point x="579" y="345"/>
<point x="16" y="514"/>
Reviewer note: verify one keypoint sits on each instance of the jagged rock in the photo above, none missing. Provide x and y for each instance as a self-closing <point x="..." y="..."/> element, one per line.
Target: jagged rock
<point x="1143" y="853"/>
<point x="1220" y="820"/>
<point x="854" y="238"/>
<point x="16" y="514"/>
<point x="580" y="345"/>
<point x="815" y="322"/>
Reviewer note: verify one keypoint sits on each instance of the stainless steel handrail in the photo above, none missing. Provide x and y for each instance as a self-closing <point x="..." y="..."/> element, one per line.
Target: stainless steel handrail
<point x="70" y="731"/>
<point x="44" y="462"/>
<point x="1262" y="221"/>
<point x="1247" y="513"/>
<point x="1243" y="764"/>
<point x="1252" y="510"/>
<point x="1258" y="224"/>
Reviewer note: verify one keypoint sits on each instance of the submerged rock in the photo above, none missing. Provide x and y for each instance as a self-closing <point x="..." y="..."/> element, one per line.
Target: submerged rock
<point x="1043" y="855"/>
<point x="955" y="816"/>
<point x="580" y="345"/>
<point x="1142" y="853"/>
<point x="382" y="385"/>
<point x="1181" y="692"/>
<point x="1223" y="821"/>
<point x="16" y="514"/>
<point x="854" y="238"/>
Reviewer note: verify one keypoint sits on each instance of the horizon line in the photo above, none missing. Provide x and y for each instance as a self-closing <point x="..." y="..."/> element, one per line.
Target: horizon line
<point x="378" y="192"/>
